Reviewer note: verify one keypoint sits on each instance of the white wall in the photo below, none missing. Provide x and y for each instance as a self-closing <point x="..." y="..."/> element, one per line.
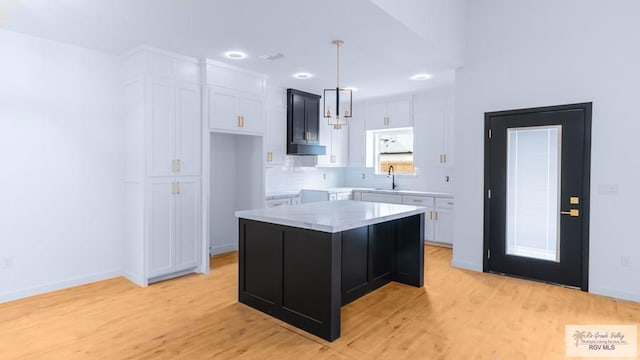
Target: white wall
<point x="60" y="141"/>
<point x="524" y="53"/>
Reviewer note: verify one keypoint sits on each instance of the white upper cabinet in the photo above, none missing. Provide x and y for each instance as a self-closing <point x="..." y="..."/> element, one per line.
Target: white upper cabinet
<point x="174" y="128"/>
<point x="276" y="121"/>
<point x="389" y="113"/>
<point x="337" y="145"/>
<point x="357" y="133"/>
<point x="235" y="99"/>
<point x="434" y="122"/>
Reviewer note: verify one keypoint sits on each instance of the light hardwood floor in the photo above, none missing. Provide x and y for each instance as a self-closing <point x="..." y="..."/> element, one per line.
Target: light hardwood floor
<point x="457" y="315"/>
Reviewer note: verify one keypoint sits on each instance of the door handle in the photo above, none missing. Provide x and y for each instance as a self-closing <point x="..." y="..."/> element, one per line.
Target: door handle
<point x="572" y="212"/>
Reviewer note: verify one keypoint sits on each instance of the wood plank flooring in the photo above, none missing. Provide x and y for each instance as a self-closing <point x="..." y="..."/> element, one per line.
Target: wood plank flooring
<point x="457" y="315"/>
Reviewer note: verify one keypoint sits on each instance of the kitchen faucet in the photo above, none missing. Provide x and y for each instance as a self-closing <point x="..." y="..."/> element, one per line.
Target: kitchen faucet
<point x="392" y="173"/>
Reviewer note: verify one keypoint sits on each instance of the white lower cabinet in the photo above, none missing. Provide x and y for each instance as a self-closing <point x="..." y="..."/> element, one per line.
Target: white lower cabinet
<point x="174" y="225"/>
<point x="443" y="221"/>
<point x="383" y="198"/>
<point x="288" y="201"/>
<point x="438" y="221"/>
<point x="429" y="218"/>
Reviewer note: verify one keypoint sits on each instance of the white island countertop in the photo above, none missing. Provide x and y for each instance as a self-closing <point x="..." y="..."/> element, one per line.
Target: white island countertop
<point x="332" y="216"/>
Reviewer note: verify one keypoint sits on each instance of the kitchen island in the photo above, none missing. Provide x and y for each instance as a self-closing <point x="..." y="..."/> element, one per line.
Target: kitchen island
<point x="300" y="264"/>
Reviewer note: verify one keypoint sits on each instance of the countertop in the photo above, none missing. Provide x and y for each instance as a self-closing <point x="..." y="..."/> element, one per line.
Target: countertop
<point x="331" y="190"/>
<point x="406" y="192"/>
<point x="332" y="216"/>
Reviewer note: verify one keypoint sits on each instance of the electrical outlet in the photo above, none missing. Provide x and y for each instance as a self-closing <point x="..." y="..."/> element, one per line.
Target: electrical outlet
<point x="624" y="261"/>
<point x="446" y="178"/>
<point x="324" y="176"/>
<point x="363" y="176"/>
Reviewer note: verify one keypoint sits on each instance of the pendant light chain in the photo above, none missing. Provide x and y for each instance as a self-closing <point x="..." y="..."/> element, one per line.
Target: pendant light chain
<point x="338" y="64"/>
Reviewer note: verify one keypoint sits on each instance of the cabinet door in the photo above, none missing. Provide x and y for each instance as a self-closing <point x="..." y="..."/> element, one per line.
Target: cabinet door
<point x="432" y="136"/>
<point x="357" y="144"/>
<point x="381" y="250"/>
<point x="187" y="220"/>
<point x="252" y="116"/>
<point x="429" y="203"/>
<point x="275" y="141"/>
<point x="188" y="125"/>
<point x="161" y="137"/>
<point x="223" y="114"/>
<point x="376" y="114"/>
<point x="383" y="198"/>
<point x="340" y="147"/>
<point x="312" y="119"/>
<point x="161" y="227"/>
<point x="298" y="127"/>
<point x="399" y="114"/>
<point x="443" y="231"/>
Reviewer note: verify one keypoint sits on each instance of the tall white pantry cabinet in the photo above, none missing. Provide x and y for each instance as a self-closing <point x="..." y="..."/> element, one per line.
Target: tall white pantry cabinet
<point x="163" y="137"/>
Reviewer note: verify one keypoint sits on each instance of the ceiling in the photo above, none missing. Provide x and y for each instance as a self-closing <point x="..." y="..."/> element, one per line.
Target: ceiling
<point x="385" y="41"/>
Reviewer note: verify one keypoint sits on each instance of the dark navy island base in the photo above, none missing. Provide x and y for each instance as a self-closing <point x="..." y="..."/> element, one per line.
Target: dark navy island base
<point x="303" y="276"/>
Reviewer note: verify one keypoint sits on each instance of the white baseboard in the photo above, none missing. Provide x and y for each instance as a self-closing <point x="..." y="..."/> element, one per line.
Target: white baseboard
<point x="221" y="249"/>
<point x="622" y="295"/>
<point x="136" y="279"/>
<point x="58" y="285"/>
<point x="466" y="265"/>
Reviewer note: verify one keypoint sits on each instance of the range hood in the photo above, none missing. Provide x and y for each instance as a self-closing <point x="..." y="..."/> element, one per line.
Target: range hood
<point x="303" y="124"/>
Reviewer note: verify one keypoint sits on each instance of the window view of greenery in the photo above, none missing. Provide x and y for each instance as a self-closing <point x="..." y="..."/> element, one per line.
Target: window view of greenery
<point x="394" y="147"/>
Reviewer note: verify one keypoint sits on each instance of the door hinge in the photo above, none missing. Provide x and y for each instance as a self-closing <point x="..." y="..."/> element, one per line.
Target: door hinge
<point x="488" y="253"/>
<point x="489" y="133"/>
<point x="489" y="193"/>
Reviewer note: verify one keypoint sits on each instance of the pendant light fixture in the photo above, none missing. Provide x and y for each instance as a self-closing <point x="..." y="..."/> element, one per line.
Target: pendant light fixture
<point x="337" y="102"/>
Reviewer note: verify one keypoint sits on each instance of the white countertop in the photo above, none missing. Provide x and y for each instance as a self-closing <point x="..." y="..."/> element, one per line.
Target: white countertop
<point x="332" y="216"/>
<point x="331" y="190"/>
<point x="405" y="192"/>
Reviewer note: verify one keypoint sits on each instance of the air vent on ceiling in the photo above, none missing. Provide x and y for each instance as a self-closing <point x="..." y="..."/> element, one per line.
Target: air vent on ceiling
<point x="272" y="57"/>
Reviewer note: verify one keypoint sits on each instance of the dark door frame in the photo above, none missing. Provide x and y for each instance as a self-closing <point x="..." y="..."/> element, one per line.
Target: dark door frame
<point x="586" y="107"/>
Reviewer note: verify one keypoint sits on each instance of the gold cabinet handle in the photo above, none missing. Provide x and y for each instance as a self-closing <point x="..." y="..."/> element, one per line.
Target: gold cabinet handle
<point x="173" y="166"/>
<point x="572" y="212"/>
<point x="242" y="118"/>
<point x="173" y="188"/>
<point x="238" y="120"/>
<point x="417" y="201"/>
<point x="179" y="165"/>
<point x="430" y="215"/>
<point x="178" y="192"/>
<point x="436" y="216"/>
<point x="444" y="158"/>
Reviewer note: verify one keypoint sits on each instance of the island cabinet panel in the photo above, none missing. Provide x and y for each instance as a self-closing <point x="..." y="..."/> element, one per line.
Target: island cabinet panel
<point x="381" y="249"/>
<point x="409" y="257"/>
<point x="307" y="277"/>
<point x="355" y="263"/>
<point x="263" y="259"/>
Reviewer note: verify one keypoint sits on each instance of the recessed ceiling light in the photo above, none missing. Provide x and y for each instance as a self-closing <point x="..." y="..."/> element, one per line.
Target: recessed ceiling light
<point x="303" y="75"/>
<point x="235" y="55"/>
<point x="421" y="77"/>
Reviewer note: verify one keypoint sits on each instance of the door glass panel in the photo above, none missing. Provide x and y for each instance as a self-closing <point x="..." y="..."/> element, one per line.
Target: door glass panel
<point x="533" y="192"/>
